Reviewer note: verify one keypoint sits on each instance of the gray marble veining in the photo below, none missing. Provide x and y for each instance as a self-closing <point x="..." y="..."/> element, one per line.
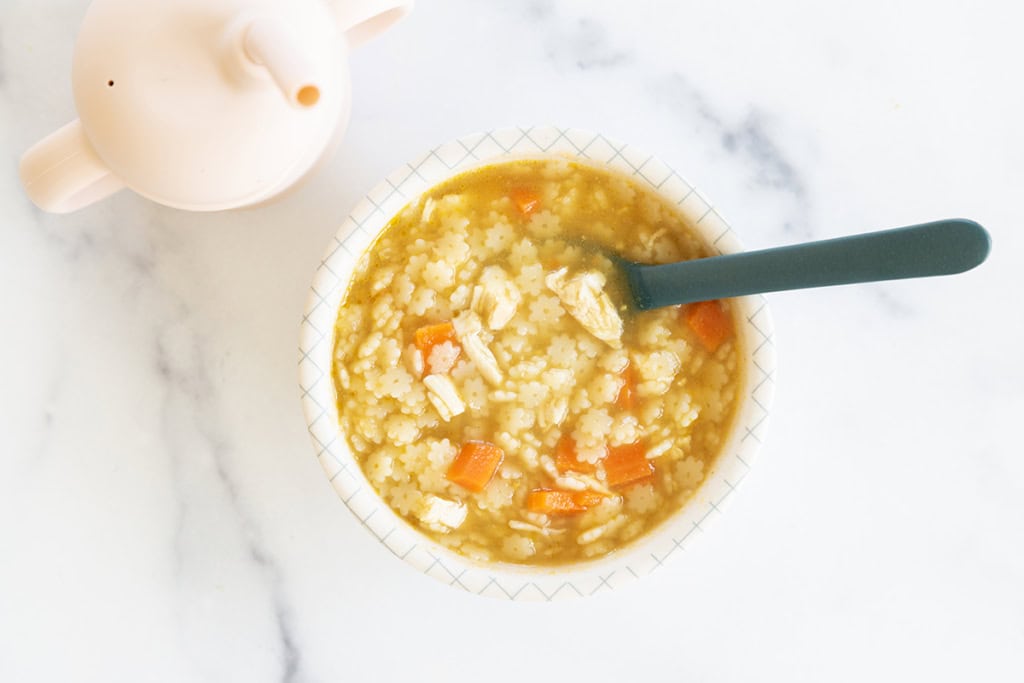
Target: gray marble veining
<point x="162" y="515"/>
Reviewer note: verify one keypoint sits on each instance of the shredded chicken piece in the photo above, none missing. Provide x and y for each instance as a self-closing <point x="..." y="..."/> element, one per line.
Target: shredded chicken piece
<point x="442" y="515"/>
<point x="415" y="360"/>
<point x="584" y="297"/>
<point x="442" y="393"/>
<point x="526" y="526"/>
<point x="467" y="329"/>
<point x="467" y="323"/>
<point x="496" y="298"/>
<point x="554" y="412"/>
<point x="594" y="533"/>
<point x="428" y="209"/>
<point x="571" y="483"/>
<point x="649" y="240"/>
<point x="593" y="483"/>
<point x="548" y="465"/>
<point x="659" y="449"/>
<point x="484" y="360"/>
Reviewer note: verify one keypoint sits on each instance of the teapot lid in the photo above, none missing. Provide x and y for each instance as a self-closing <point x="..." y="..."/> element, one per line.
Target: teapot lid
<point x="174" y="102"/>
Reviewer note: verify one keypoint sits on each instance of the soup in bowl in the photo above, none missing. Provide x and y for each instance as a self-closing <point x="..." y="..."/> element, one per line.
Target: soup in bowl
<point x="496" y="411"/>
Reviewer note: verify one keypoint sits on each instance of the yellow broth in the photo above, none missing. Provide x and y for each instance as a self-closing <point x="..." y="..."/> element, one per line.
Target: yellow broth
<point x="484" y="251"/>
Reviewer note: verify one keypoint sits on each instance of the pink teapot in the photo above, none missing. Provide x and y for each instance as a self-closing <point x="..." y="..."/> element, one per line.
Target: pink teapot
<point x="203" y="104"/>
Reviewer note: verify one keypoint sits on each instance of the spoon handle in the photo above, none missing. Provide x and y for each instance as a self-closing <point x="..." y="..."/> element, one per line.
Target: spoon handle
<point x="939" y="248"/>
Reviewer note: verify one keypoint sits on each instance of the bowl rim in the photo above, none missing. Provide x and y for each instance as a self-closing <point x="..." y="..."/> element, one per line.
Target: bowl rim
<point x="358" y="232"/>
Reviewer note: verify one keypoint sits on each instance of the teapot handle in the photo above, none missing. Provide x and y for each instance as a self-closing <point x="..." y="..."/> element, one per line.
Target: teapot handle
<point x="361" y="20"/>
<point x="62" y="172"/>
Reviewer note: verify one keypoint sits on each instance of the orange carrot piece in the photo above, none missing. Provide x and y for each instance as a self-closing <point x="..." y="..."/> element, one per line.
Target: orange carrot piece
<point x="426" y="338"/>
<point x="559" y="502"/>
<point x="587" y="499"/>
<point x="565" y="458"/>
<point x="627" y="464"/>
<point x="626" y="400"/>
<point x="552" y="502"/>
<point x="430" y="336"/>
<point x="475" y="464"/>
<point x="526" y="200"/>
<point x="709" y="322"/>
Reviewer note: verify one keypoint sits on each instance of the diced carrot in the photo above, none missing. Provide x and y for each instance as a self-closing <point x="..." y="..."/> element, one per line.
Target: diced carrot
<point x="526" y="200"/>
<point x="565" y="458"/>
<point x="709" y="322"/>
<point x="475" y="464"/>
<point x="426" y="338"/>
<point x="626" y="400"/>
<point x="587" y="499"/>
<point x="430" y="336"/>
<point x="559" y="502"/>
<point x="552" y="502"/>
<point x="627" y="464"/>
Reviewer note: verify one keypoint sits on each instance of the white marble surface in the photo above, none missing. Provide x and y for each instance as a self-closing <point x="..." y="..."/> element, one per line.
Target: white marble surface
<point x="162" y="517"/>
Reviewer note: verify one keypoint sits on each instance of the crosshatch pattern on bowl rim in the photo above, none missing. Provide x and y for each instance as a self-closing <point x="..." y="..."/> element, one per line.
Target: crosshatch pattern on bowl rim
<point x="358" y="231"/>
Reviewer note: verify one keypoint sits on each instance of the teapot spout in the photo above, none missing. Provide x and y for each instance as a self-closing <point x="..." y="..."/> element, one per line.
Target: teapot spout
<point x="271" y="45"/>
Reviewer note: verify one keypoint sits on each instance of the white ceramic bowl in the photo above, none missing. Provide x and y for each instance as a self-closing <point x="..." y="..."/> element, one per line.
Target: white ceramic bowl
<point x="516" y="582"/>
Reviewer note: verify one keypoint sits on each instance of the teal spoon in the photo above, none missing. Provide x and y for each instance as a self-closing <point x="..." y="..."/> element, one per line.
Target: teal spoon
<point x="939" y="248"/>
